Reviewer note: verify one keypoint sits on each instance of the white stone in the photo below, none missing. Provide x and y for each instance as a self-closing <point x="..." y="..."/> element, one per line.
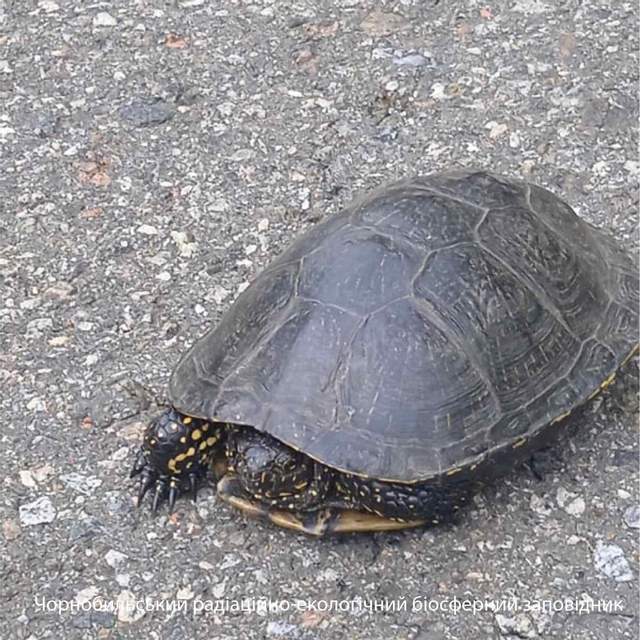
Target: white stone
<point x="36" y="404"/>
<point x="632" y="517"/>
<point x="530" y="6"/>
<point x="519" y="626"/>
<point x="40" y="511"/>
<point x="104" y="19"/>
<point x="48" y="6"/>
<point x="147" y="230"/>
<point x="126" y="605"/>
<point x="185" y="246"/>
<point x="59" y="341"/>
<point x="609" y="560"/>
<point x="27" y="479"/>
<point x="217" y="591"/>
<point x="185" y="593"/>
<point x="81" y="483"/>
<point x="570" y="502"/>
<point x="220" y="294"/>
<point x="86" y="595"/>
<point x="114" y="558"/>
<point x="437" y="91"/>
<point x="539" y="505"/>
<point x="241" y="155"/>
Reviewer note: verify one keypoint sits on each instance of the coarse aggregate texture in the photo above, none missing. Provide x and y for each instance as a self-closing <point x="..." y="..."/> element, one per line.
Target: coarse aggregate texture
<point x="154" y="156"/>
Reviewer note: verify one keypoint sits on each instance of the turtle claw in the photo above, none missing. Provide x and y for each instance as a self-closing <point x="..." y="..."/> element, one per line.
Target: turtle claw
<point x="163" y="484"/>
<point x="139" y="464"/>
<point x="147" y="480"/>
<point x="173" y="494"/>
<point x="194" y="485"/>
<point x="159" y="493"/>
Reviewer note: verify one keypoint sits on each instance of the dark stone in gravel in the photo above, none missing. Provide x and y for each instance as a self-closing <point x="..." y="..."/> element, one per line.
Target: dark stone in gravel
<point x="625" y="457"/>
<point x="144" y="113"/>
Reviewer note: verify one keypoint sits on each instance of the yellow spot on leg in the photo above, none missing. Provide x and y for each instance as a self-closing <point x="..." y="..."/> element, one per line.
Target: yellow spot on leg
<point x="196" y="435"/>
<point x="186" y="420"/>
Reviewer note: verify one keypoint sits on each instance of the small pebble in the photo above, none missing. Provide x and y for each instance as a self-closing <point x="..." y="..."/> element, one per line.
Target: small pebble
<point x="48" y="6"/>
<point x="10" y="529"/>
<point x="126" y="604"/>
<point x="40" y="511"/>
<point x="123" y="579"/>
<point x="26" y="478"/>
<point x="147" y="113"/>
<point x="519" y="626"/>
<point x="185" y="593"/>
<point x="220" y="294"/>
<point x="410" y="60"/>
<point x="242" y="155"/>
<point x="632" y="517"/>
<point x="104" y="19"/>
<point x="280" y="628"/>
<point x="114" y="558"/>
<point x="86" y="594"/>
<point x="81" y="483"/>
<point x="570" y="502"/>
<point x="539" y="505"/>
<point x="609" y="560"/>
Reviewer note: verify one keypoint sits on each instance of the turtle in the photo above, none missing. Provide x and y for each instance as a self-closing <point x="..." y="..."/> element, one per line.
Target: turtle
<point x="396" y="356"/>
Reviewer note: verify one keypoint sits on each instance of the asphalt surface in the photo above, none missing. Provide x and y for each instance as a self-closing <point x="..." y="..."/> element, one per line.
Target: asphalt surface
<point x="154" y="157"/>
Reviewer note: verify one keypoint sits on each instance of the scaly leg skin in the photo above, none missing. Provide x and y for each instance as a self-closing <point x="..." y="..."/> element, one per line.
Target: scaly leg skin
<point x="313" y="523"/>
<point x="174" y="456"/>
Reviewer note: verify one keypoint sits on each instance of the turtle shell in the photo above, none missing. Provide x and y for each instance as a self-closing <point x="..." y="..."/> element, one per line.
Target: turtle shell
<point x="434" y="322"/>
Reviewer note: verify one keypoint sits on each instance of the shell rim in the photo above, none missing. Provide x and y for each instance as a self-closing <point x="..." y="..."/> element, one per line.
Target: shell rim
<point x="469" y="463"/>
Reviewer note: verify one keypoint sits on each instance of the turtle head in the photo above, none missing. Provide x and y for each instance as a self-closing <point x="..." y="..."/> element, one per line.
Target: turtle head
<point x="271" y="472"/>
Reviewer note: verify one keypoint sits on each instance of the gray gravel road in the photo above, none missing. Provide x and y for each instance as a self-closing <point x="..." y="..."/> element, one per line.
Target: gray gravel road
<point x="154" y="157"/>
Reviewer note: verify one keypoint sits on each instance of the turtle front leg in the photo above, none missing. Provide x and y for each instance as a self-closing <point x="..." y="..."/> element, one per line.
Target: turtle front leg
<point x="174" y="456"/>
